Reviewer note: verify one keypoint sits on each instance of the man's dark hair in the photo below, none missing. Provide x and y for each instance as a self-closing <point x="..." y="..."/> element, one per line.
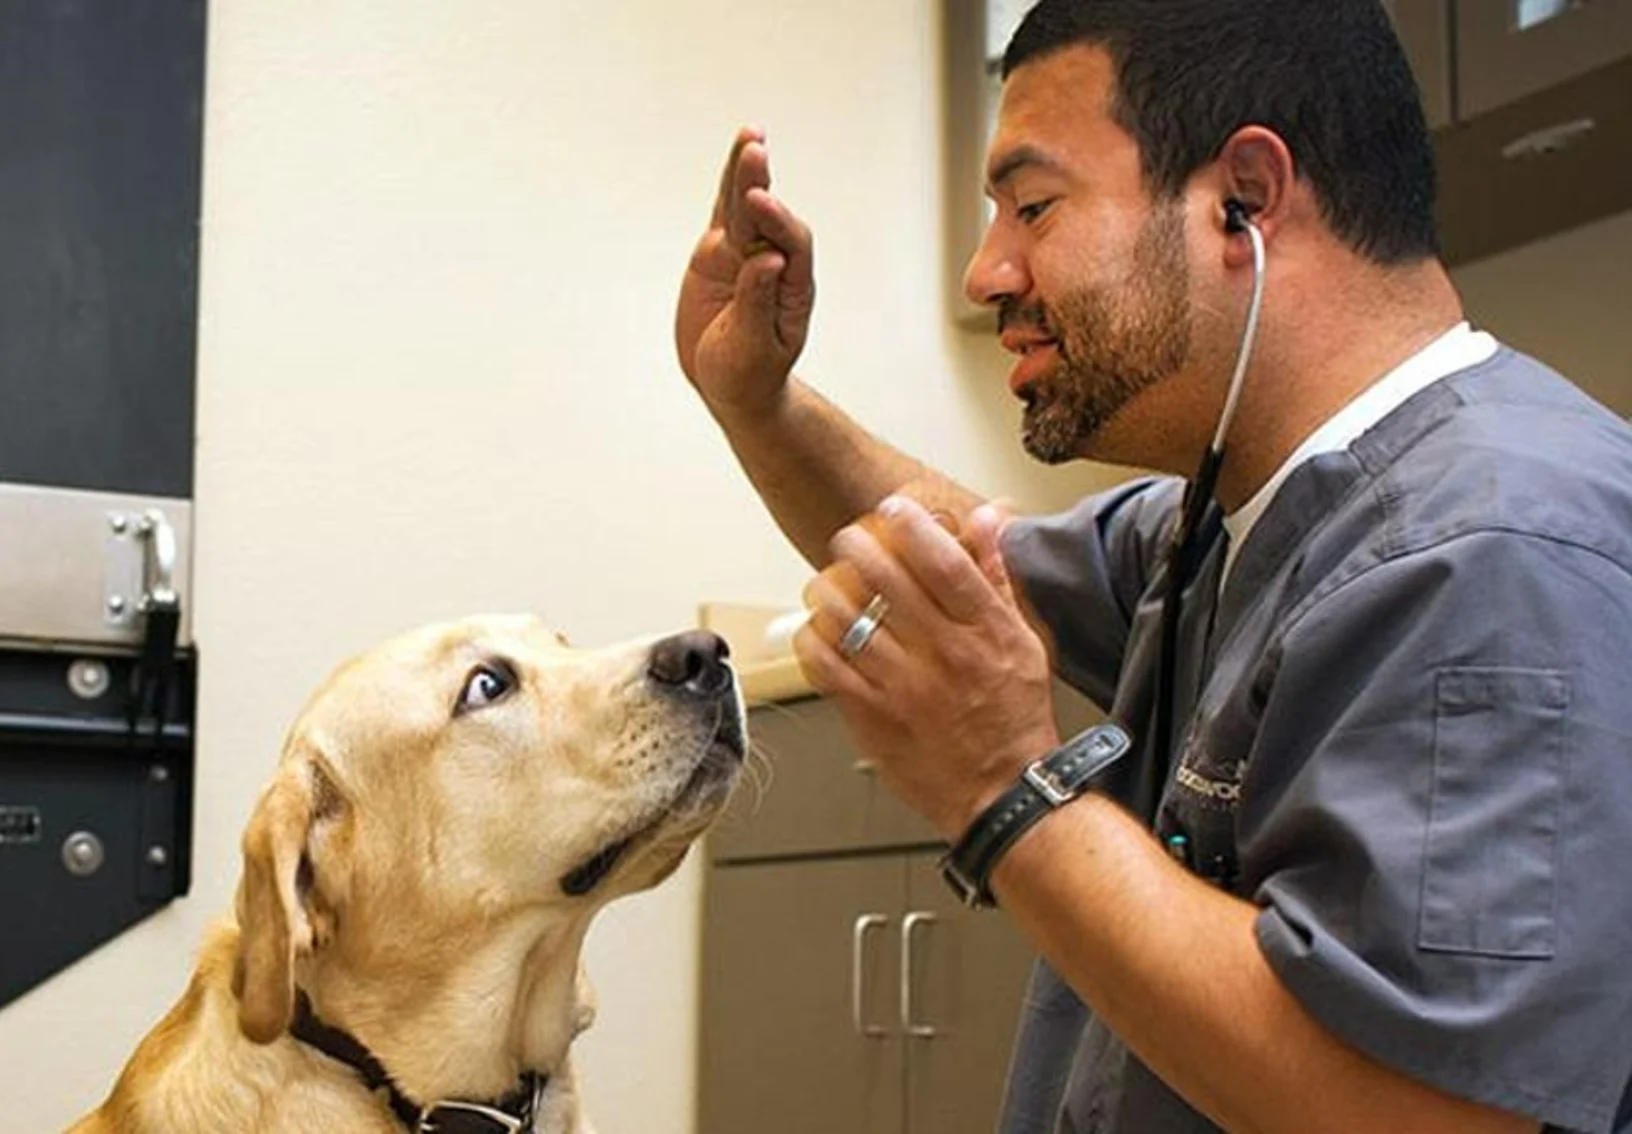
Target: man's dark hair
<point x="1328" y="76"/>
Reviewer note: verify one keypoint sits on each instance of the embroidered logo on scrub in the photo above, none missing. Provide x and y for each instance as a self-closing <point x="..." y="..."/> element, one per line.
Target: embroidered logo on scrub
<point x="1225" y="792"/>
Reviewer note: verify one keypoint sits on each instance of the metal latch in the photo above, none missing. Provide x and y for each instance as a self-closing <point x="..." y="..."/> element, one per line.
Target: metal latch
<point x="159" y="608"/>
<point x="158" y="541"/>
<point x="140" y="572"/>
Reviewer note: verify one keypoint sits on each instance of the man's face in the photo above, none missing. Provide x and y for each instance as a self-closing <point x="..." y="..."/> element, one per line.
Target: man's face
<point x="1090" y="278"/>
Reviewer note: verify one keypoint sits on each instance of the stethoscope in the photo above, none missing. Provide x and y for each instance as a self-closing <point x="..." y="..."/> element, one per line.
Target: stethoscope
<point x="1189" y="545"/>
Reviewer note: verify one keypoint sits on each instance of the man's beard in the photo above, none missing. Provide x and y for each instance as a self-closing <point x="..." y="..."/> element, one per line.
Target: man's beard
<point x="1113" y="344"/>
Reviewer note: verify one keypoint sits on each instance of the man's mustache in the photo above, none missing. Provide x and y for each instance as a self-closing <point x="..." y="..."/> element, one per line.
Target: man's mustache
<point x="1031" y="317"/>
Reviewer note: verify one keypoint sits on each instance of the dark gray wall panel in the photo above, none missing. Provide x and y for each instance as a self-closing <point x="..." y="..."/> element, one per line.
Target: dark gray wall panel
<point x="100" y="122"/>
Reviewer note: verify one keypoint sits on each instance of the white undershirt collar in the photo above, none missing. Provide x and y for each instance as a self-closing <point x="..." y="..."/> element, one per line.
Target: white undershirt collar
<point x="1457" y="349"/>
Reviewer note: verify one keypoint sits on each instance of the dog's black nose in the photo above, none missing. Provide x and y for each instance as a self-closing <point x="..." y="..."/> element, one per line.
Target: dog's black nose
<point x="692" y="662"/>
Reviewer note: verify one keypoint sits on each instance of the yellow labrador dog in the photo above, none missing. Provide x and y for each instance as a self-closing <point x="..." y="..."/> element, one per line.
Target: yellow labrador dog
<point x="449" y="813"/>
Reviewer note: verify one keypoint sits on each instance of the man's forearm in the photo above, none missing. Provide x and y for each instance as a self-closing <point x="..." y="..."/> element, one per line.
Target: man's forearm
<point x="817" y="469"/>
<point x="1173" y="967"/>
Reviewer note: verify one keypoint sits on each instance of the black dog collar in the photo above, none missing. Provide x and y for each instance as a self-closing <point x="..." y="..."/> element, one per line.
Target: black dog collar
<point x="512" y="1114"/>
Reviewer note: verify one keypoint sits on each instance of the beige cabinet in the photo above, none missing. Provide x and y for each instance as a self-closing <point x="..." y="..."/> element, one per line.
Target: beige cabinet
<point x="797" y="1036"/>
<point x="853" y="994"/>
<point x="962" y="976"/>
<point x="844" y="988"/>
<point x="816" y="795"/>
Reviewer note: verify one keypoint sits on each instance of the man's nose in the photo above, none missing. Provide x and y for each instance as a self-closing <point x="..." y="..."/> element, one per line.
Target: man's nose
<point x="995" y="272"/>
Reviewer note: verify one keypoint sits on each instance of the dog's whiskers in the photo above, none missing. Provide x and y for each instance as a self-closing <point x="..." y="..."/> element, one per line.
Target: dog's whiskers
<point x="773" y="707"/>
<point x="760" y="771"/>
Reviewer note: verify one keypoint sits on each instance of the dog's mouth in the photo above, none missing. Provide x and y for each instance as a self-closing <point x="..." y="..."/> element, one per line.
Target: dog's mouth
<point x="716" y="769"/>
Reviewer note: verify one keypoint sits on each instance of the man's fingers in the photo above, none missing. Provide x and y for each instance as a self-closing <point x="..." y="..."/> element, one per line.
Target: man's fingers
<point x="827" y="672"/>
<point x="830" y="607"/>
<point x="728" y="176"/>
<point x="985" y="542"/>
<point x="774" y="224"/>
<point x="754" y="222"/>
<point x="834" y="610"/>
<point x="876" y="570"/>
<point x="944" y="567"/>
<point x="753" y="171"/>
<point x="844" y="578"/>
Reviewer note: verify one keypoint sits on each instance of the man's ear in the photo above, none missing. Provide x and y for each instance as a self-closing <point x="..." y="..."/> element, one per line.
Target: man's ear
<point x="1256" y="167"/>
<point x="274" y="919"/>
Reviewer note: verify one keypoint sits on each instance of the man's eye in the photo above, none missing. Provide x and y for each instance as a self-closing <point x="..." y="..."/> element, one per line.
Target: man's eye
<point x="1030" y="213"/>
<point x="485" y="685"/>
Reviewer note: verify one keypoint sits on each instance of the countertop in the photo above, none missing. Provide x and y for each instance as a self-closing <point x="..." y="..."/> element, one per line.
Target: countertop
<point x="767" y="674"/>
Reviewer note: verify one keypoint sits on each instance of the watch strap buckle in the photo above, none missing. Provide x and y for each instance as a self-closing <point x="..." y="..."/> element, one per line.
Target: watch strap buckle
<point x="1047" y="784"/>
<point x="966" y="889"/>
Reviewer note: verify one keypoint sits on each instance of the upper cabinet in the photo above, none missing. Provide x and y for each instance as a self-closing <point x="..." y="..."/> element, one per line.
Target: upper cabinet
<point x="1474" y="56"/>
<point x="1508" y="50"/>
<point x="1424" y="27"/>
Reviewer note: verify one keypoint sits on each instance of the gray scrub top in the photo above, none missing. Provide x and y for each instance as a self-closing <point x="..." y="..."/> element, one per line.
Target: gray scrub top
<point x="1406" y="737"/>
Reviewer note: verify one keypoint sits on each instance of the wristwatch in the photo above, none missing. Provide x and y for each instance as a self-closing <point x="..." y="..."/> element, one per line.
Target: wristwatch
<point x="1051" y="782"/>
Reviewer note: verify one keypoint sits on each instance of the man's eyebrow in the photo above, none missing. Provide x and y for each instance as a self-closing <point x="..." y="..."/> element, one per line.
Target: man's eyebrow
<point x="1021" y="157"/>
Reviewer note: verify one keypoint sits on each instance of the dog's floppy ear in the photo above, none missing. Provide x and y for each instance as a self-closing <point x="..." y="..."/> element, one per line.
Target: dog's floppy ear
<point x="273" y="920"/>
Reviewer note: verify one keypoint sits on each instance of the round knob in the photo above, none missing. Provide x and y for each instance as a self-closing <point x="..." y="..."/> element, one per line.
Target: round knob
<point x="82" y="854"/>
<point x="89" y="679"/>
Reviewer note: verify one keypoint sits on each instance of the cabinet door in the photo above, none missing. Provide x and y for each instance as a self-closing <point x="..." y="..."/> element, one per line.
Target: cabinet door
<point x="819" y="795"/>
<point x="1424" y="30"/>
<point x="1509" y="49"/>
<point x="964" y="973"/>
<point x="785" y="987"/>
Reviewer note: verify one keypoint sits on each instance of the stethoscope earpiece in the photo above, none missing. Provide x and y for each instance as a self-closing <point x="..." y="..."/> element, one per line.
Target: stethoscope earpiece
<point x="1237" y="217"/>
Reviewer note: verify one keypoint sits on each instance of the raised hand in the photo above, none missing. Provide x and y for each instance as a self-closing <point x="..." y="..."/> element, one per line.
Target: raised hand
<point x="746" y="300"/>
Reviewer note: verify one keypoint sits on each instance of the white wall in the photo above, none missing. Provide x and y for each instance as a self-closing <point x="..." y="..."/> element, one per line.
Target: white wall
<point x="441" y="244"/>
<point x="1566" y="301"/>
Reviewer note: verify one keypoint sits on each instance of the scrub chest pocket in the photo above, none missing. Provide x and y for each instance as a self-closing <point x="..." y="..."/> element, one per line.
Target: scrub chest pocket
<point x="1500" y="762"/>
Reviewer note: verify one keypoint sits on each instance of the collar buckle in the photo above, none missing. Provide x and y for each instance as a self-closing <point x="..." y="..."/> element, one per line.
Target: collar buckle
<point x="462" y="1117"/>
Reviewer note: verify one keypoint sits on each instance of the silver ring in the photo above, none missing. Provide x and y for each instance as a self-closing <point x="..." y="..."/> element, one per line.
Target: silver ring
<point x="861" y="631"/>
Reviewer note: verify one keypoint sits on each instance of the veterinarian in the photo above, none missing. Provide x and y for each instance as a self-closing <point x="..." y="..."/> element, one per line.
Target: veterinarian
<point x="1361" y="867"/>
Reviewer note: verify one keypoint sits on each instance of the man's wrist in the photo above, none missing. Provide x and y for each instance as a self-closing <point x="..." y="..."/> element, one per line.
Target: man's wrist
<point x="749" y="414"/>
<point x="1063" y="775"/>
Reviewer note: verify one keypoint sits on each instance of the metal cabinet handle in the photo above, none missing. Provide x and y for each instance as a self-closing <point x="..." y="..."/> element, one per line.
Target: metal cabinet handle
<point x="908" y="924"/>
<point x="858" y="949"/>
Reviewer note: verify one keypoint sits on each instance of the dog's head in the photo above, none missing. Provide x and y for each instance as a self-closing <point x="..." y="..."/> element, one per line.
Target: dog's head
<point x="468" y="774"/>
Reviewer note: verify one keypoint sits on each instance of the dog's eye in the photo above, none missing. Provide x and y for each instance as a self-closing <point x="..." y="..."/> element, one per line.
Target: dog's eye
<point x="485" y="685"/>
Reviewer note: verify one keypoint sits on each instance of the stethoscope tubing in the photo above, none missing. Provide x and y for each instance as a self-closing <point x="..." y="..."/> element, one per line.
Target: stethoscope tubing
<point x="1185" y="553"/>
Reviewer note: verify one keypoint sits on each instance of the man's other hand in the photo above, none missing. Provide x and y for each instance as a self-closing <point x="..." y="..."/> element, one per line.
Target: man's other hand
<point x="746" y="300"/>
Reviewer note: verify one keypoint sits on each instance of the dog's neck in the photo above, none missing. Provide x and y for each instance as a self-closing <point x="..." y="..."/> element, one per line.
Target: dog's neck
<point x="465" y="1016"/>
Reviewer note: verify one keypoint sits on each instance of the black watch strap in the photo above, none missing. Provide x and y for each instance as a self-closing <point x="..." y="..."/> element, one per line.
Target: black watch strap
<point x="1055" y="780"/>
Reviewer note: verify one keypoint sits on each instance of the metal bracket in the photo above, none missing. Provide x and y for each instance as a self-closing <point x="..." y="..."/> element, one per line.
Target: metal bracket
<point x="140" y="575"/>
<point x="122" y="578"/>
